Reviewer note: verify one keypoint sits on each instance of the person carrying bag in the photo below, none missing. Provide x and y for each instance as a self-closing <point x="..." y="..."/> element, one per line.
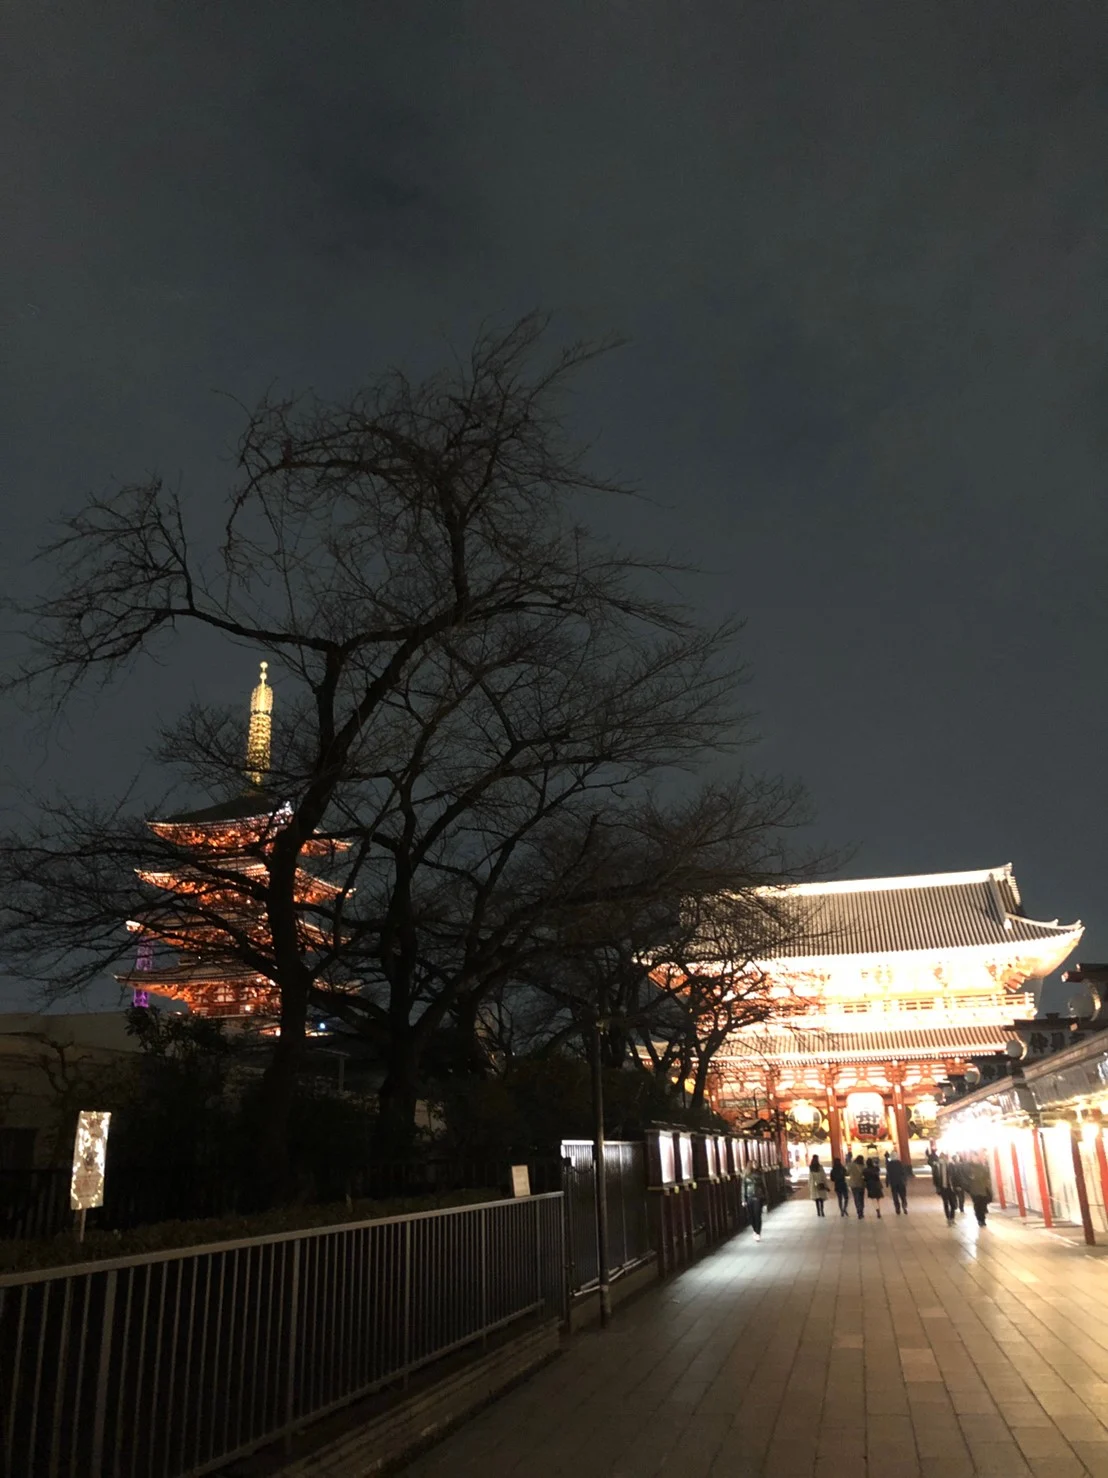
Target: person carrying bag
<point x="818" y="1187"/>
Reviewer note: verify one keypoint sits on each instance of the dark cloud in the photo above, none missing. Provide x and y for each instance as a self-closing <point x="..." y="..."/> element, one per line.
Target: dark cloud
<point x="859" y="252"/>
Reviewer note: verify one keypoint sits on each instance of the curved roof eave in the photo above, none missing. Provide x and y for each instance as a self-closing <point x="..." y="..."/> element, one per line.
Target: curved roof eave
<point x="900" y="883"/>
<point x="1062" y="932"/>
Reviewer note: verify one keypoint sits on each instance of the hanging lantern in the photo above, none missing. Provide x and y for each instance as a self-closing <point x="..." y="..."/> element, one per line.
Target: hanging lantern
<point x="867" y="1114"/>
<point x="924" y="1113"/>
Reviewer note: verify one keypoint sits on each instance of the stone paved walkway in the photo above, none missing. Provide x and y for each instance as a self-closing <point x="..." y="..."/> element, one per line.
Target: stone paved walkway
<point x="834" y="1349"/>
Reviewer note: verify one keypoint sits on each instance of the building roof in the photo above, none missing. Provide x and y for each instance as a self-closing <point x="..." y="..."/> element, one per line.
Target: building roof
<point x="933" y="913"/>
<point x="815" y="1045"/>
<point x="253" y="804"/>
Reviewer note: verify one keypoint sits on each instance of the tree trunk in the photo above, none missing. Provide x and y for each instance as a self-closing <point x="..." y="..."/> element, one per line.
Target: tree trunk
<point x="615" y="1047"/>
<point x="273" y="1173"/>
<point x="471" y="1056"/>
<point x="700" y="1081"/>
<point x="394" y="1132"/>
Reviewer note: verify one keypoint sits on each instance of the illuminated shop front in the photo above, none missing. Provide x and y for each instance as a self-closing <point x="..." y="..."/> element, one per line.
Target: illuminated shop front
<point x="887" y="988"/>
<point x="1043" y="1135"/>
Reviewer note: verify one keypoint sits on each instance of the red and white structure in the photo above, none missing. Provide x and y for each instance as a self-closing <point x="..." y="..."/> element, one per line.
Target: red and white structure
<point x="888" y="986"/>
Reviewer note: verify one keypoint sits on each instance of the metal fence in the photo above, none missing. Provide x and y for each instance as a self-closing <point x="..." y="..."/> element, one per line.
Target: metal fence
<point x="174" y="1363"/>
<point x="629" y="1236"/>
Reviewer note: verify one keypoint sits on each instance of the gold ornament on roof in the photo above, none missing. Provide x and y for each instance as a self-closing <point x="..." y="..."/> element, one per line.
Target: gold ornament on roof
<point x="259" y="735"/>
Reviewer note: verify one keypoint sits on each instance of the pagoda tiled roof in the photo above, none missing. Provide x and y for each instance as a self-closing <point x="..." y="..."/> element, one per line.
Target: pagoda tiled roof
<point x="816" y="1045"/>
<point x="253" y="804"/>
<point x="889" y="916"/>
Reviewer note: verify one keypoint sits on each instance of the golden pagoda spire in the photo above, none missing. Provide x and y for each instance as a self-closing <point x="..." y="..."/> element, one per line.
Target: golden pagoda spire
<point x="261" y="728"/>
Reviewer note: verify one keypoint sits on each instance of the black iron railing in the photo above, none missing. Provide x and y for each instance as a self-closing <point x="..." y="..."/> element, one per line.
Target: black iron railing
<point x="175" y="1363"/>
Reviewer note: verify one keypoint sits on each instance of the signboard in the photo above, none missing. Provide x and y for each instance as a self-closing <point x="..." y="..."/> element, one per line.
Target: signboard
<point x="90" y="1151"/>
<point x="521" y="1180"/>
<point x="667" y="1159"/>
<point x="685" y="1156"/>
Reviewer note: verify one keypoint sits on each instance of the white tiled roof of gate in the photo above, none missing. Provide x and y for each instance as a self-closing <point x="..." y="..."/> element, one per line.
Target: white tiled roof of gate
<point x="936" y="911"/>
<point x="823" y="1046"/>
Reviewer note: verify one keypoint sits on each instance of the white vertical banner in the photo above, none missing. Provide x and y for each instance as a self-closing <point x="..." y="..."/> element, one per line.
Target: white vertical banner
<point x="90" y="1153"/>
<point x="521" y="1180"/>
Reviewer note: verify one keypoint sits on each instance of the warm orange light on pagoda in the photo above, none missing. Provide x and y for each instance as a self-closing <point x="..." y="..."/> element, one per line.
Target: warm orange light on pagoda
<point x="222" y="893"/>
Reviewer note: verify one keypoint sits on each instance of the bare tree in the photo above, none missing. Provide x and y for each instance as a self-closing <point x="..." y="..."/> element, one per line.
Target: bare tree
<point x="659" y="952"/>
<point x="712" y="982"/>
<point x="478" y="680"/>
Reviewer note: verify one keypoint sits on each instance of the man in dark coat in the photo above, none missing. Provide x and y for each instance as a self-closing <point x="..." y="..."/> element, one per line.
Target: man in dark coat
<point x="958" y="1176"/>
<point x="946" y="1183"/>
<point x="979" y="1183"/>
<point x="896" y="1178"/>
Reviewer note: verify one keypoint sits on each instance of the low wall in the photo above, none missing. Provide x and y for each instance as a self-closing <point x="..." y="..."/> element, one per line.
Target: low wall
<point x="382" y="1442"/>
<point x="584" y="1307"/>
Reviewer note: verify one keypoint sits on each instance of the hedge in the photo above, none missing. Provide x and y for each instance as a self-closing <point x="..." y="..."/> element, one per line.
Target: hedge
<point x="25" y="1256"/>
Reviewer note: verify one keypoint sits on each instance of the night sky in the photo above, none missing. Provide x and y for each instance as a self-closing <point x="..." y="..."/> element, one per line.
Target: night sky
<point x="859" y="256"/>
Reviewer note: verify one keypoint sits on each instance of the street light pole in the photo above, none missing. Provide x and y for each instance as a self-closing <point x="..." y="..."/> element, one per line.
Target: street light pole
<point x="600" y="1179"/>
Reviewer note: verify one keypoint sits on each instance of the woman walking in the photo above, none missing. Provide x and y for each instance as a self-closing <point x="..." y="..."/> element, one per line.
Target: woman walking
<point x="754" y="1198"/>
<point x="838" y="1180"/>
<point x="817" y="1184"/>
<point x="872" y="1176"/>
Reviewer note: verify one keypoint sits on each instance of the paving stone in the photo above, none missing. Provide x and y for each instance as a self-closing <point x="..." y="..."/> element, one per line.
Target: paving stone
<point x="892" y="1349"/>
<point x="1069" y="1466"/>
<point x="1039" y="1442"/>
<point x="1094" y="1455"/>
<point x="998" y="1460"/>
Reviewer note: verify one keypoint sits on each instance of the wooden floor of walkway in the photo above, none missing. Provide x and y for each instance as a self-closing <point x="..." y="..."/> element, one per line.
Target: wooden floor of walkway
<point x="836" y="1347"/>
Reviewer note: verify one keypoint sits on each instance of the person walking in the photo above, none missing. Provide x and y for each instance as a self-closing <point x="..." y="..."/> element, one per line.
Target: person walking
<point x="933" y="1165"/>
<point x="958" y="1177"/>
<point x="945" y="1174"/>
<point x="856" y="1179"/>
<point x="975" y="1176"/>
<point x="896" y="1178"/>
<point x="871" y="1174"/>
<point x="838" y="1180"/>
<point x="817" y="1184"/>
<point x="754" y="1198"/>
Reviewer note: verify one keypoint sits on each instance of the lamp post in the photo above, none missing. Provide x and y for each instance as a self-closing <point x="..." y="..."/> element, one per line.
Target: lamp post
<point x="600" y="1179"/>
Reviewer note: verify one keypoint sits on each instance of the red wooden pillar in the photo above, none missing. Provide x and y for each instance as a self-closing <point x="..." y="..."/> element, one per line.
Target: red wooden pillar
<point x="999" y="1179"/>
<point x="1082" y="1188"/>
<point x="1040" y="1174"/>
<point x="1102" y="1166"/>
<point x="903" y="1138"/>
<point x="900" y="1115"/>
<point x="836" y="1127"/>
<point x="834" y="1118"/>
<point x="1017" y="1180"/>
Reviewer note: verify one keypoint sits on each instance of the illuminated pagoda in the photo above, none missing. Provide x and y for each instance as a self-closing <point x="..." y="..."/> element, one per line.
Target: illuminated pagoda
<point x="228" y="842"/>
<point x="888" y="987"/>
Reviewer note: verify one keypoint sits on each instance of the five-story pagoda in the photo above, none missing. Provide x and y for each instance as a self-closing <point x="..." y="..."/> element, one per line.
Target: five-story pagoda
<point x="204" y="939"/>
